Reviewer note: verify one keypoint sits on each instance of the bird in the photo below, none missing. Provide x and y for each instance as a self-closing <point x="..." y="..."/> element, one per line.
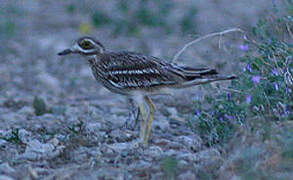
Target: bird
<point x="139" y="76"/>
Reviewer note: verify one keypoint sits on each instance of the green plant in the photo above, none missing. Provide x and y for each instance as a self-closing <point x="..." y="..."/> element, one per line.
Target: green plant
<point x="187" y="23"/>
<point x="264" y="90"/>
<point x="40" y="106"/>
<point x="71" y="8"/>
<point x="14" y="137"/>
<point x="151" y="14"/>
<point x="100" y="18"/>
<point x="289" y="5"/>
<point x="77" y="128"/>
<point x="169" y="166"/>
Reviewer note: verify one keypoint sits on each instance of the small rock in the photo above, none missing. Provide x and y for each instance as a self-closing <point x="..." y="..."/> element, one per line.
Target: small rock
<point x="118" y="120"/>
<point x="182" y="164"/>
<point x="120" y="146"/>
<point x="118" y="135"/>
<point x="153" y="151"/>
<point x="140" y="164"/>
<point x="48" y="117"/>
<point x="3" y="133"/>
<point x="172" y="111"/>
<point x="24" y="136"/>
<point x="162" y="123"/>
<point x="110" y="173"/>
<point x="95" y="152"/>
<point x="33" y="173"/>
<point x="2" y="142"/>
<point x="166" y="144"/>
<point x="54" y="142"/>
<point x="187" y="176"/>
<point x="236" y="178"/>
<point x="3" y="177"/>
<point x="208" y="155"/>
<point x="59" y="109"/>
<point x="6" y="169"/>
<point x="193" y="143"/>
<point x="26" y="110"/>
<point x="203" y="157"/>
<point x="174" y="114"/>
<point x="11" y="117"/>
<point x="107" y="150"/>
<point x="188" y="157"/>
<point x="170" y="152"/>
<point x="80" y="154"/>
<point x="209" y="159"/>
<point x="35" y="150"/>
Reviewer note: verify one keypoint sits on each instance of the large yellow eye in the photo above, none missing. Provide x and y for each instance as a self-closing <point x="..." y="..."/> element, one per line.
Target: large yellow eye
<point x="86" y="44"/>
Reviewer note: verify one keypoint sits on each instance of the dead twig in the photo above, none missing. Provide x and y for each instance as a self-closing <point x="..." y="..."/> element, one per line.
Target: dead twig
<point x="232" y="90"/>
<point x="289" y="30"/>
<point x="205" y="37"/>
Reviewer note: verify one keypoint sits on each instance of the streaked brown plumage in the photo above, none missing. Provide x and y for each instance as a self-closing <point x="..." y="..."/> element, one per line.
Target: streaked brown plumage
<point x="137" y="75"/>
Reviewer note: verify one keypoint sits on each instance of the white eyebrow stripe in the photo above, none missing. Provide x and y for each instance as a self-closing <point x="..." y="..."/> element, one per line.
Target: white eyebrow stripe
<point x="90" y="41"/>
<point x="76" y="47"/>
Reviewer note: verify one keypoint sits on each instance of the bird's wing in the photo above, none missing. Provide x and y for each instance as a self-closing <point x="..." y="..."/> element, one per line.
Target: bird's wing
<point x="129" y="70"/>
<point x="132" y="70"/>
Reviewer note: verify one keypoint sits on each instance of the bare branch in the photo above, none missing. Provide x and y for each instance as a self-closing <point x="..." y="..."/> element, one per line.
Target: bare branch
<point x="205" y="37"/>
<point x="289" y="30"/>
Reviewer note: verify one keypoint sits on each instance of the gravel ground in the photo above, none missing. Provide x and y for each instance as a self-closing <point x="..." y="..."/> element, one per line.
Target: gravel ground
<point x="84" y="136"/>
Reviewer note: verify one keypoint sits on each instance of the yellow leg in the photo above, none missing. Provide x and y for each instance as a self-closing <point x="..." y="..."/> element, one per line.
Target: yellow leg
<point x="150" y="121"/>
<point x="143" y="122"/>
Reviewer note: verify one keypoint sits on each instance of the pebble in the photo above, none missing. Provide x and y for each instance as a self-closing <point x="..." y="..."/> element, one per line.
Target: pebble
<point x="5" y="168"/>
<point x="36" y="150"/>
<point x="193" y="143"/>
<point x="24" y="136"/>
<point x="154" y="152"/>
<point x="189" y="175"/>
<point x="26" y="110"/>
<point x="3" y="177"/>
<point x="93" y="127"/>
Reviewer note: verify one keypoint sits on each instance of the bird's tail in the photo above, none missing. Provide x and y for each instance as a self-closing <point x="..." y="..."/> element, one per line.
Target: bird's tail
<point x="205" y="80"/>
<point x="194" y="77"/>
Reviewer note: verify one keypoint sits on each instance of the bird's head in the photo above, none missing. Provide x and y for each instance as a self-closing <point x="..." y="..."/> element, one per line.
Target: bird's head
<point x="86" y="46"/>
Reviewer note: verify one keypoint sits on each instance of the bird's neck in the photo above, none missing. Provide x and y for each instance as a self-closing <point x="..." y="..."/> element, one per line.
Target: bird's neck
<point x="92" y="59"/>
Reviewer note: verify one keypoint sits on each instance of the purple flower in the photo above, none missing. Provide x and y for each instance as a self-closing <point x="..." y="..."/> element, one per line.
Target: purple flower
<point x="229" y="96"/>
<point x="244" y="47"/>
<point x="256" y="79"/>
<point x="197" y="112"/>
<point x="288" y="90"/>
<point x="276" y="86"/>
<point x="275" y="72"/>
<point x="249" y="68"/>
<point x="248" y="99"/>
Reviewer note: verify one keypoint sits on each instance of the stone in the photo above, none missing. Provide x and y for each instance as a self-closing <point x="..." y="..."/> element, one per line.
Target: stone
<point x="36" y="150"/>
<point x="26" y="110"/>
<point x="24" y="136"/>
<point x="93" y="127"/>
<point x="153" y="152"/>
<point x="193" y="143"/>
<point x="5" y="168"/>
<point x="3" y="177"/>
<point x="187" y="176"/>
